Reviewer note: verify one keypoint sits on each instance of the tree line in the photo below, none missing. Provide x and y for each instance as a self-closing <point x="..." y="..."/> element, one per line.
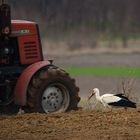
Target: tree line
<point x="116" y="17"/>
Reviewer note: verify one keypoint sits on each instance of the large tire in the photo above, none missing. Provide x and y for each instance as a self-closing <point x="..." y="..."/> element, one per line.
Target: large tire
<point x="52" y="90"/>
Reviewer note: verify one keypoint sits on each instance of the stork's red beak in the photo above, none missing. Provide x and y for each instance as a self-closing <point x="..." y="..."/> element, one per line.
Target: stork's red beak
<point x="91" y="96"/>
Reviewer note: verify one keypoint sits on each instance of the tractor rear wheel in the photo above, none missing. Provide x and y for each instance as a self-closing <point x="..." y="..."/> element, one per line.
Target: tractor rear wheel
<point x="52" y="90"/>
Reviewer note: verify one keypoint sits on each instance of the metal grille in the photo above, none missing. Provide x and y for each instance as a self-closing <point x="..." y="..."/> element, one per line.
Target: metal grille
<point x="30" y="50"/>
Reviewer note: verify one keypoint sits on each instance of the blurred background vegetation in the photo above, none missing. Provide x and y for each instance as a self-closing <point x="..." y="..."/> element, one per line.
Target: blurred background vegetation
<point x="83" y="23"/>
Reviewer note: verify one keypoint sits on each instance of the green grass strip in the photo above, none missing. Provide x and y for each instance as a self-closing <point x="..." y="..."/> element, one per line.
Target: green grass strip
<point x="104" y="71"/>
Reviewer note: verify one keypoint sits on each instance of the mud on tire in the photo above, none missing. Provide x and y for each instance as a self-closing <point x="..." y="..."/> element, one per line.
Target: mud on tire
<point x="52" y="90"/>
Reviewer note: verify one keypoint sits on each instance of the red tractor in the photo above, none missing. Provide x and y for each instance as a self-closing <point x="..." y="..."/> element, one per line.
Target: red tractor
<point x="26" y="79"/>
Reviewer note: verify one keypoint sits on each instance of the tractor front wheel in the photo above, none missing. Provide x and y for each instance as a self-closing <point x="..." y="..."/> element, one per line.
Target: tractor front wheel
<point x="52" y="90"/>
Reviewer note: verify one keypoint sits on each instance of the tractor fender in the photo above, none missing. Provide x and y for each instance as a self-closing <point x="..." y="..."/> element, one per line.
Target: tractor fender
<point x="20" y="92"/>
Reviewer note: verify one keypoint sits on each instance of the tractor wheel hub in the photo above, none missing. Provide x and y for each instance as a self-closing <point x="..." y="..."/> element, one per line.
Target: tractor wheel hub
<point x="52" y="99"/>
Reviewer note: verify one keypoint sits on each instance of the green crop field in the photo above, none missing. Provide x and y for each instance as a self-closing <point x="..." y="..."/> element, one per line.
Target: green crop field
<point x="104" y="71"/>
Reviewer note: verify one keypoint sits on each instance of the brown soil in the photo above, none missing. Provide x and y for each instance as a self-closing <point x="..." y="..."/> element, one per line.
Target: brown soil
<point x="76" y="125"/>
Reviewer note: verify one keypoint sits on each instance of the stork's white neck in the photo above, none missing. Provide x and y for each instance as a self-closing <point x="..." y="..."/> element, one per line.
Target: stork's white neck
<point x="97" y="94"/>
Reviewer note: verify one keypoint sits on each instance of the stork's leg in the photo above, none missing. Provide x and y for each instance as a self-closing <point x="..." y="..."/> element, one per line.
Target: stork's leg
<point x="110" y="109"/>
<point x="126" y="118"/>
<point x="111" y="116"/>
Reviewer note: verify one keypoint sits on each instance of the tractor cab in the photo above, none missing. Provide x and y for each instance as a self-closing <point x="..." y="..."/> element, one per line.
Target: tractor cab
<point x="18" y="37"/>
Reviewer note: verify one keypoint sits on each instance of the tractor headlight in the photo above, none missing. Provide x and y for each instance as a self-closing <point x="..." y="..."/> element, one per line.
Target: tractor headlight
<point x="6" y="51"/>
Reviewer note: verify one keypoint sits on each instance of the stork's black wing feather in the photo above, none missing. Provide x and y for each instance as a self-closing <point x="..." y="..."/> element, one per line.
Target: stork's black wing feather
<point x="124" y="103"/>
<point x="121" y="95"/>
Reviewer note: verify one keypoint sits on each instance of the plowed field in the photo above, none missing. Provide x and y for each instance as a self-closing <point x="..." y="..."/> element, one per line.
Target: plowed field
<point x="76" y="125"/>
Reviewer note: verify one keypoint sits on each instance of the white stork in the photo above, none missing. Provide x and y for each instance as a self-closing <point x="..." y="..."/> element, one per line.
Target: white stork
<point x="112" y="100"/>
